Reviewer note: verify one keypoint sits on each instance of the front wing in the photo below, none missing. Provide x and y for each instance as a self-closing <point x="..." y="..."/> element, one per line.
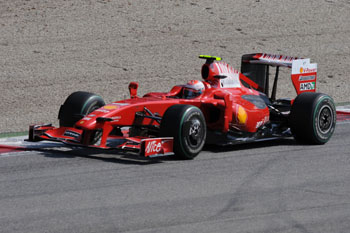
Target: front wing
<point x="144" y="146"/>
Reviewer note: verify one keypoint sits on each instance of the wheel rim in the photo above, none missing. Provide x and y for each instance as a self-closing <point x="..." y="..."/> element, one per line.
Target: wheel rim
<point x="325" y="119"/>
<point x="195" y="133"/>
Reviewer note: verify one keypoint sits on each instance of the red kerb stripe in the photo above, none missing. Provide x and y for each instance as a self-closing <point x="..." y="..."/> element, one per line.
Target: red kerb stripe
<point x="7" y="149"/>
<point x="343" y="115"/>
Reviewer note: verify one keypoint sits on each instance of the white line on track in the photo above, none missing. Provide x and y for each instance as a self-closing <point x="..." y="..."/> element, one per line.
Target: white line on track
<point x="343" y="122"/>
<point x="13" y="154"/>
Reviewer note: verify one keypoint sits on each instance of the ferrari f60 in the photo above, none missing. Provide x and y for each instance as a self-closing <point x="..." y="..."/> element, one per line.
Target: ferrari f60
<point x="225" y="107"/>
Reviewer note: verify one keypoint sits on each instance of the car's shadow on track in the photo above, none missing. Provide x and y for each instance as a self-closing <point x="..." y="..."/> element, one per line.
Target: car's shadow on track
<point x="251" y="145"/>
<point x="110" y="156"/>
<point x="127" y="158"/>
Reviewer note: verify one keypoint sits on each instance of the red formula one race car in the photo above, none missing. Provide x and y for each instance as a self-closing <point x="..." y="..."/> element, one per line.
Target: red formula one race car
<point x="227" y="107"/>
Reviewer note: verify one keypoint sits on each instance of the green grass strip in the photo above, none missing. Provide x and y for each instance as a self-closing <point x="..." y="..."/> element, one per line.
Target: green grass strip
<point x="13" y="134"/>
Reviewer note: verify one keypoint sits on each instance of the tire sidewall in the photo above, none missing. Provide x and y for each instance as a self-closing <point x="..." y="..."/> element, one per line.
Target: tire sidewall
<point x="175" y="123"/>
<point x="78" y="104"/>
<point x="324" y="101"/>
<point x="190" y="114"/>
<point x="93" y="103"/>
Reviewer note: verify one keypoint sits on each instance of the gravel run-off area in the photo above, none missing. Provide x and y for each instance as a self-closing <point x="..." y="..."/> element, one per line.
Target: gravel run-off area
<point x="51" y="48"/>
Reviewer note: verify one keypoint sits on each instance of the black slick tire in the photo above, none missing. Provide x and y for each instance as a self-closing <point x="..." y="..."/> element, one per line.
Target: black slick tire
<point x="187" y="125"/>
<point x="78" y="105"/>
<point x="313" y="118"/>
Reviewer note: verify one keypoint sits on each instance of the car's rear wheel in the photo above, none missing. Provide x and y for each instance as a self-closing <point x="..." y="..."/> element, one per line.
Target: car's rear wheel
<point x="78" y="105"/>
<point x="186" y="124"/>
<point x="313" y="118"/>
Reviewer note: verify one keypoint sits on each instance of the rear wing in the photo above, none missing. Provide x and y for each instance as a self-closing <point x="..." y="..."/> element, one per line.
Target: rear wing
<point x="256" y="68"/>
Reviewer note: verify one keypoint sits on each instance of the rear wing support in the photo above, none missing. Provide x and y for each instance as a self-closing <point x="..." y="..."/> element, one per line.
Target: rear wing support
<point x="274" y="88"/>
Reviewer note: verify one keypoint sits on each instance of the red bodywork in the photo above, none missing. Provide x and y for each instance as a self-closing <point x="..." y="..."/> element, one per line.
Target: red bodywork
<point x="225" y="103"/>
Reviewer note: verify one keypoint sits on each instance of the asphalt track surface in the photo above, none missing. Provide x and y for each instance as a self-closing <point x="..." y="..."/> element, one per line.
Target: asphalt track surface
<point x="277" y="186"/>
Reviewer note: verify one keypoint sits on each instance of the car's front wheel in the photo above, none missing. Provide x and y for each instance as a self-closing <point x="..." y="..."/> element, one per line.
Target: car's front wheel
<point x="186" y="124"/>
<point x="78" y="105"/>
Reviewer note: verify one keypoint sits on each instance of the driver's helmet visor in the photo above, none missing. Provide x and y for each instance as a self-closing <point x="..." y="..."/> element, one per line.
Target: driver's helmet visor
<point x="189" y="93"/>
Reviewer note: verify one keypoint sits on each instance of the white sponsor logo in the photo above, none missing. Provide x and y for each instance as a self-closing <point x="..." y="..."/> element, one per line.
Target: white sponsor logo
<point x="120" y="104"/>
<point x="153" y="147"/>
<point x="116" y="118"/>
<point x="102" y="110"/>
<point x="307" y="86"/>
<point x="71" y="134"/>
<point x="262" y="122"/>
<point x="259" y="123"/>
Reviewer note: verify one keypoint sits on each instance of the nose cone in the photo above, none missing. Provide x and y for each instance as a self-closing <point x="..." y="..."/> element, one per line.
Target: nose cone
<point x="90" y="120"/>
<point x="87" y="122"/>
<point x="102" y="114"/>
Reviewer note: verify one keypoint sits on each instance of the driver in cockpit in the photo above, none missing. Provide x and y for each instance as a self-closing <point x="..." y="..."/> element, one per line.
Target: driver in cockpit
<point x="192" y="89"/>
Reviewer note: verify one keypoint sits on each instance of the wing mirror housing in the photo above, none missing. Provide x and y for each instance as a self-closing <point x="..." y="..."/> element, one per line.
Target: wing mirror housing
<point x="133" y="89"/>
